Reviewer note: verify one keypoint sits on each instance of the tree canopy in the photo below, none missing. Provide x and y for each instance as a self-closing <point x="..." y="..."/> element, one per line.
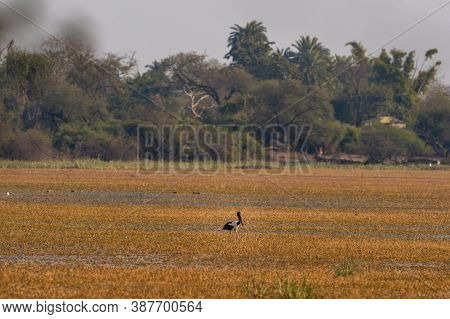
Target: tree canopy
<point x="64" y="100"/>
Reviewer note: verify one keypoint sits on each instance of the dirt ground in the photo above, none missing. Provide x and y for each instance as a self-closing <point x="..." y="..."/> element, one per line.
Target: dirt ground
<point x="343" y="233"/>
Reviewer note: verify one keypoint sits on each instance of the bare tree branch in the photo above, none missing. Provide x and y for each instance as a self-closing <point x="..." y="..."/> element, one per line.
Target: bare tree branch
<point x="195" y="101"/>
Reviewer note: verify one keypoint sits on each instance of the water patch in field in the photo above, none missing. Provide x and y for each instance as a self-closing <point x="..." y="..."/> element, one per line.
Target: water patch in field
<point x="118" y="261"/>
<point x="209" y="200"/>
<point x="156" y="260"/>
<point x="355" y="234"/>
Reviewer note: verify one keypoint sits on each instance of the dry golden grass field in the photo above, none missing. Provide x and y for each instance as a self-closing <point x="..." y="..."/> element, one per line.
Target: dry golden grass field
<point x="337" y="233"/>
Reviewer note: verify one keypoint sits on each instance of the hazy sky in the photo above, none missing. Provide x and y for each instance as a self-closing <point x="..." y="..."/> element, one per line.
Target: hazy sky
<point x="157" y="28"/>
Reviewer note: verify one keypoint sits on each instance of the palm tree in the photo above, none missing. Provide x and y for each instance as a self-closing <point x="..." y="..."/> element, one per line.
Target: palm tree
<point x="312" y="58"/>
<point x="249" y="46"/>
<point x="358" y="50"/>
<point x="286" y="53"/>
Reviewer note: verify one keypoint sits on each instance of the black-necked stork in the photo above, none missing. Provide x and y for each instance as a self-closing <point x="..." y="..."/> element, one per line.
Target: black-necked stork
<point x="234" y="225"/>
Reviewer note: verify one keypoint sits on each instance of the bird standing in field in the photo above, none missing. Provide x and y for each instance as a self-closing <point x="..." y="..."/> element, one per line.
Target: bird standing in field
<point x="234" y="225"/>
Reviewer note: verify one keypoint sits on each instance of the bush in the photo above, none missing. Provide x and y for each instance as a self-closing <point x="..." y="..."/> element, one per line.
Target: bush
<point x="382" y="142"/>
<point x="433" y="121"/>
<point x="189" y="143"/>
<point x="326" y="135"/>
<point x="105" y="142"/>
<point x="30" y="145"/>
<point x="351" y="140"/>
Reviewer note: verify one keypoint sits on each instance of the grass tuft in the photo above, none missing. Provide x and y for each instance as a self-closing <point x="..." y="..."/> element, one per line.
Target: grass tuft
<point x="346" y="268"/>
<point x="289" y="289"/>
<point x="257" y="290"/>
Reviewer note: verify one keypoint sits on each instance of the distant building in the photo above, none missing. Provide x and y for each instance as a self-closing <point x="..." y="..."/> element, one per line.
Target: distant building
<point x="387" y="120"/>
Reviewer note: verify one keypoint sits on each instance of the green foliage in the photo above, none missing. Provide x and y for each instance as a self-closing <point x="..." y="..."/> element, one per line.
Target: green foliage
<point x="358" y="51"/>
<point x="286" y="289"/>
<point x="105" y="141"/>
<point x="67" y="103"/>
<point x="60" y="102"/>
<point x="346" y="268"/>
<point x="433" y="120"/>
<point x="26" y="145"/>
<point x="257" y="290"/>
<point x="351" y="139"/>
<point x="288" y="102"/>
<point x="250" y="48"/>
<point x="383" y="142"/>
<point x="289" y="289"/>
<point x="388" y="84"/>
<point x="313" y="60"/>
<point x="327" y="137"/>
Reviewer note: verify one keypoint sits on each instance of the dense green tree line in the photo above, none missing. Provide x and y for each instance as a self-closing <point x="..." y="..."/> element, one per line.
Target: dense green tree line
<point x="63" y="100"/>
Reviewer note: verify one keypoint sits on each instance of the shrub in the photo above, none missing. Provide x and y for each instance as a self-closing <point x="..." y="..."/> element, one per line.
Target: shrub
<point x="191" y="143"/>
<point x="326" y="135"/>
<point x="351" y="140"/>
<point x="433" y="120"/>
<point x="106" y="142"/>
<point x="382" y="142"/>
<point x="29" y="145"/>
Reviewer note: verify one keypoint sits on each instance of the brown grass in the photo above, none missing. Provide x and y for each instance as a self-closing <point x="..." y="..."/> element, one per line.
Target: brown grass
<point x="399" y="246"/>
